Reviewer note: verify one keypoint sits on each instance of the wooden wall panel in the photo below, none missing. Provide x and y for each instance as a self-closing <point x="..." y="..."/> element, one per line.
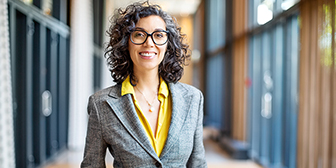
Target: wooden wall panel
<point x="316" y="126"/>
<point x="239" y="69"/>
<point x="303" y="89"/>
<point x="186" y="23"/>
<point x="333" y="116"/>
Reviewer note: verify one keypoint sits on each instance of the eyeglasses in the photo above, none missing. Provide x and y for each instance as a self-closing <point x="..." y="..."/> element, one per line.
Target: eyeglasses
<point x="159" y="37"/>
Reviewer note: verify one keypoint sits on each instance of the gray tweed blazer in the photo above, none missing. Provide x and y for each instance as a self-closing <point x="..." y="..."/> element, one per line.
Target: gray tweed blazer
<point x="114" y="124"/>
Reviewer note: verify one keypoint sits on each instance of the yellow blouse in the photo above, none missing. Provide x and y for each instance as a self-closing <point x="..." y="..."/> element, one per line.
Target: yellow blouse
<point x="158" y="141"/>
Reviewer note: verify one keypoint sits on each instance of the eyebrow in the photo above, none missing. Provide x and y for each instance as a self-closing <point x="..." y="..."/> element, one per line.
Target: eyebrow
<point x="140" y="28"/>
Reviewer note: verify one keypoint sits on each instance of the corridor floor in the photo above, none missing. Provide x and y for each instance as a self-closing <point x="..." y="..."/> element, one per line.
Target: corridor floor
<point x="215" y="156"/>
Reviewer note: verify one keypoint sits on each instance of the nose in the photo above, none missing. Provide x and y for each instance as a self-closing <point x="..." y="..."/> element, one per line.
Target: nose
<point x="149" y="42"/>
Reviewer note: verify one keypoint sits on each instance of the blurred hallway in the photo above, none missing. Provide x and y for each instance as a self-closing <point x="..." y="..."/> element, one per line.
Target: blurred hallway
<point x="267" y="70"/>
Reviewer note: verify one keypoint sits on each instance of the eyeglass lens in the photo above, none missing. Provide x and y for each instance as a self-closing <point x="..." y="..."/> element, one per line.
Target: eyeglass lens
<point x="140" y="36"/>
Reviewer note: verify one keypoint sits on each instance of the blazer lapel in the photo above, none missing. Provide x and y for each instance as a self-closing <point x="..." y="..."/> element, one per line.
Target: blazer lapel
<point x="124" y="109"/>
<point x="181" y="105"/>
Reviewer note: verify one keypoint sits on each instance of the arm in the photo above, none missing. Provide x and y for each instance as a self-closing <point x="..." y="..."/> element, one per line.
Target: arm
<point x="197" y="158"/>
<point x="95" y="147"/>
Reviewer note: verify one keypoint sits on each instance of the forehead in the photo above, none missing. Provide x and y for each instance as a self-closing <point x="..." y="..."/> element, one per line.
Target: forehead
<point x="151" y="23"/>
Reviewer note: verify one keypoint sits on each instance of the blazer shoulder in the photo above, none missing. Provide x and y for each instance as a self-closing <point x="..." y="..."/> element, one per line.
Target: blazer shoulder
<point x="185" y="87"/>
<point x="101" y="96"/>
<point x="109" y="91"/>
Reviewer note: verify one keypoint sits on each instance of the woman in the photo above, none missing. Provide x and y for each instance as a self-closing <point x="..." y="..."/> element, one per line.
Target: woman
<point x="148" y="119"/>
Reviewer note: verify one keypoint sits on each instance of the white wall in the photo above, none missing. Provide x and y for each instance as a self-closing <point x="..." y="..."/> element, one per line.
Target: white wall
<point x="7" y="157"/>
<point x="81" y="70"/>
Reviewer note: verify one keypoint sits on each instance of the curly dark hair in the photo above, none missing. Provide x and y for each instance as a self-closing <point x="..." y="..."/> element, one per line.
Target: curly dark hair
<point x="118" y="56"/>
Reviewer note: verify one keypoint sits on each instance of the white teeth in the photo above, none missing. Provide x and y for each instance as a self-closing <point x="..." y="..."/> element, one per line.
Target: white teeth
<point x="147" y="54"/>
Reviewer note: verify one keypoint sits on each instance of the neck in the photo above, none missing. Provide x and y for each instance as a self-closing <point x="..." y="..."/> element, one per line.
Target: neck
<point x="147" y="81"/>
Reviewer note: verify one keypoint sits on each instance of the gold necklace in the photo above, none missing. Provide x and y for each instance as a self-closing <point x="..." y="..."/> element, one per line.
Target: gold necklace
<point x="151" y="108"/>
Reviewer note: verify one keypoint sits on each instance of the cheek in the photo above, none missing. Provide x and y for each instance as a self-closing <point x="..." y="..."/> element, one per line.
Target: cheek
<point x="164" y="50"/>
<point x="132" y="49"/>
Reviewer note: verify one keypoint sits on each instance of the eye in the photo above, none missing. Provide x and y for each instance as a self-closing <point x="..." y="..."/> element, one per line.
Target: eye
<point x="159" y="34"/>
<point x="139" y="34"/>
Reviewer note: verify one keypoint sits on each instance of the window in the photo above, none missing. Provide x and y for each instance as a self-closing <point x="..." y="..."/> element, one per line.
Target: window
<point x="273" y="71"/>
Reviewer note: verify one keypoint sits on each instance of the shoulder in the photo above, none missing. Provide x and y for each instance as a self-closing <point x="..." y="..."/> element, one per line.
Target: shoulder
<point x="113" y="91"/>
<point x="99" y="98"/>
<point x="186" y="89"/>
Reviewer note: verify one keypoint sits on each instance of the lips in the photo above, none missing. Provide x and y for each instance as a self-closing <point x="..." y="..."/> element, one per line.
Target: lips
<point x="147" y="55"/>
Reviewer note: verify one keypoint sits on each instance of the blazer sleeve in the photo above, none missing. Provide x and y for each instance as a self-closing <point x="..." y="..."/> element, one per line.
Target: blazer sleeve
<point x="95" y="146"/>
<point x="197" y="158"/>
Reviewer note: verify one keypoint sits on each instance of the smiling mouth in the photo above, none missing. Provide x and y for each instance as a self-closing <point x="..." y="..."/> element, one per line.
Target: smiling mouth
<point x="147" y="54"/>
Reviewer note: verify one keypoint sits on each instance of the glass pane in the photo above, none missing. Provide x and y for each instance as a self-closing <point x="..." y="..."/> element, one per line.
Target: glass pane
<point x="27" y="1"/>
<point x="286" y="4"/>
<point x="216" y="25"/>
<point x="214" y="91"/>
<point x="265" y="11"/>
<point x="47" y="7"/>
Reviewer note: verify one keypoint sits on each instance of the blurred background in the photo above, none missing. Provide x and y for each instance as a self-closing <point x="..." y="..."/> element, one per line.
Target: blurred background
<point x="266" y="68"/>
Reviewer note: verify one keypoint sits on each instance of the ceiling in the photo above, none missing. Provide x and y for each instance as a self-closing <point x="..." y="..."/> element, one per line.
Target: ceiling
<point x="173" y="7"/>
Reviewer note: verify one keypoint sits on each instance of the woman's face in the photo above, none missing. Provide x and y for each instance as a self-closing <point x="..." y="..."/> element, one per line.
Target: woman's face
<point x="148" y="56"/>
